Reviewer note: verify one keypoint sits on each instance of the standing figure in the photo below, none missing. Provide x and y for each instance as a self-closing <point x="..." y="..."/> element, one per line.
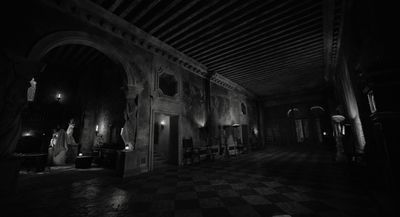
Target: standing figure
<point x="53" y="142"/>
<point x="71" y="143"/>
<point x="60" y="148"/>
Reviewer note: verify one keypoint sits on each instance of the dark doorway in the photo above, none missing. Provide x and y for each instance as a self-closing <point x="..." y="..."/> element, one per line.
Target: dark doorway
<point x="166" y="139"/>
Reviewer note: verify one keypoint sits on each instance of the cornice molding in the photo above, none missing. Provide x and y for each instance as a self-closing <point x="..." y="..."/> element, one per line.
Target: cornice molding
<point x="99" y="17"/>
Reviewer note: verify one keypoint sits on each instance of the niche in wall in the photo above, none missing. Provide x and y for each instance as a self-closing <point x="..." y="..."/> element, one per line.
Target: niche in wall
<point x="168" y="84"/>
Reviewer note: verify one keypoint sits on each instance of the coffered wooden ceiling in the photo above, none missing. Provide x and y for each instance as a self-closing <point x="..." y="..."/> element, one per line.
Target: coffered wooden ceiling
<point x="266" y="46"/>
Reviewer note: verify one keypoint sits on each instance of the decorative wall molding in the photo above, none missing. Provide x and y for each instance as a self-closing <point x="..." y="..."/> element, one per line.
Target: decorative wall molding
<point x="95" y="15"/>
<point x="333" y="27"/>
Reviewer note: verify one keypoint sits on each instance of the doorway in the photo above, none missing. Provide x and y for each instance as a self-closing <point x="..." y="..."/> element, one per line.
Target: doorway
<point x="166" y="139"/>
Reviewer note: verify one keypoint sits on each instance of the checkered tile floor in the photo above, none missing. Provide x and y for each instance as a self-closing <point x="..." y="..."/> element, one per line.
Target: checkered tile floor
<point x="271" y="182"/>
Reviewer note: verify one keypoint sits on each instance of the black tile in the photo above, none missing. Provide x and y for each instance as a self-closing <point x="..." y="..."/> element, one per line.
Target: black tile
<point x="317" y="205"/>
<point x="268" y="210"/>
<point x="187" y="204"/>
<point x="206" y="194"/>
<point x="216" y="212"/>
<point x="233" y="201"/>
<point x="222" y="187"/>
<point x="246" y="191"/>
<point x="276" y="198"/>
<point x="140" y="206"/>
<point x="184" y="188"/>
<point x="256" y="185"/>
<point x="166" y="196"/>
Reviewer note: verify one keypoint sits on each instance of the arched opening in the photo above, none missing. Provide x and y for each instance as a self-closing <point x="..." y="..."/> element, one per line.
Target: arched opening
<point x="81" y="83"/>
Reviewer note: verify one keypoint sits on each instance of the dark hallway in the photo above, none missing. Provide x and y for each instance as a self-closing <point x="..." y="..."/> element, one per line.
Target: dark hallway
<point x="272" y="108"/>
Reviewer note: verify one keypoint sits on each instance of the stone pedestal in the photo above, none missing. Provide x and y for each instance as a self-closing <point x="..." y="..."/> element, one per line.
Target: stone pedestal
<point x="8" y="181"/>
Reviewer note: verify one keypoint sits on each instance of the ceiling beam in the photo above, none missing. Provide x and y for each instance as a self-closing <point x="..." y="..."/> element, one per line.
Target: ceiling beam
<point x="252" y="71"/>
<point x="316" y="49"/>
<point x="265" y="49"/>
<point x="115" y="5"/>
<point x="212" y="37"/>
<point x="185" y="22"/>
<point x="159" y="14"/>
<point x="272" y="73"/>
<point x="173" y="16"/>
<point x="206" y="25"/>
<point x="128" y="9"/>
<point x="249" y="72"/>
<point x="144" y="11"/>
<point x="274" y="46"/>
<point x="260" y="40"/>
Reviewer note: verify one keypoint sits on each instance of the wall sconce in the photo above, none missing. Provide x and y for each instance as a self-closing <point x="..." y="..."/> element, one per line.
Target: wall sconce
<point x="235" y="125"/>
<point x="97" y="128"/>
<point x="58" y="97"/>
<point x="255" y="131"/>
<point x="80" y="154"/>
<point x="27" y="133"/>
<point x="324" y="133"/>
<point x="162" y="123"/>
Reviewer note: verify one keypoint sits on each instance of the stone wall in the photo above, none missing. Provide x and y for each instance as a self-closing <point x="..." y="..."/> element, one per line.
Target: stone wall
<point x="33" y="28"/>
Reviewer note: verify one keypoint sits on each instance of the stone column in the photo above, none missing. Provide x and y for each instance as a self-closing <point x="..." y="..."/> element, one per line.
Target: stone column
<point x="129" y="132"/>
<point x="261" y="133"/>
<point x="337" y="132"/>
<point x="209" y="116"/>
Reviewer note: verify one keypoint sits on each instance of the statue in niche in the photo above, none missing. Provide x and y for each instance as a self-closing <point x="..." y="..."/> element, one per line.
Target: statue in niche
<point x="31" y="90"/>
<point x="129" y="132"/>
<point x="15" y="77"/>
<point x="71" y="143"/>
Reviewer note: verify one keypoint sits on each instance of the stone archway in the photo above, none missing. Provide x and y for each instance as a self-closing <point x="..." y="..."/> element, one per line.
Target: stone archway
<point x="46" y="44"/>
<point x="133" y="86"/>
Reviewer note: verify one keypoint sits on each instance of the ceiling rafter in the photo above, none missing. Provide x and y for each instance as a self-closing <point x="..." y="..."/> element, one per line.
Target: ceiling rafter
<point x="185" y="20"/>
<point x="162" y="12"/>
<point x="249" y="42"/>
<point x="175" y="15"/>
<point x="218" y="19"/>
<point x="271" y="52"/>
<point x="174" y="36"/>
<point x="266" y="66"/>
<point x="144" y="11"/>
<point x="268" y="71"/>
<point x="115" y="5"/>
<point x="243" y="27"/>
<point x="129" y="9"/>
<point x="262" y="44"/>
